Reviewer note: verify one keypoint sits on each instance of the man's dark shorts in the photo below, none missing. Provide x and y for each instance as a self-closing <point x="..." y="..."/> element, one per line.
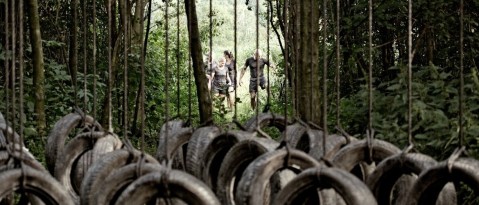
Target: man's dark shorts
<point x="254" y="81"/>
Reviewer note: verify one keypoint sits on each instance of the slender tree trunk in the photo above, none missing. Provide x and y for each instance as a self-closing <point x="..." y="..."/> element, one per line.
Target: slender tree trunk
<point x="296" y="53"/>
<point x="204" y="99"/>
<point x="116" y="37"/>
<point x="38" y="70"/>
<point x="308" y="60"/>
<point x="114" y="70"/>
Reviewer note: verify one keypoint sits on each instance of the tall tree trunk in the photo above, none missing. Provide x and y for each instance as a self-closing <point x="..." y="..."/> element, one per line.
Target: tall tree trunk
<point x="114" y="69"/>
<point x="308" y="60"/>
<point x="115" y="44"/>
<point x="204" y="99"/>
<point x="136" y="43"/>
<point x="38" y="71"/>
<point x="295" y="53"/>
<point x="137" y="30"/>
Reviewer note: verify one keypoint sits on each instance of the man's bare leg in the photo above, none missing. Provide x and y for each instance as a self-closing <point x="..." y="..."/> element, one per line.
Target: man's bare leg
<point x="253" y="100"/>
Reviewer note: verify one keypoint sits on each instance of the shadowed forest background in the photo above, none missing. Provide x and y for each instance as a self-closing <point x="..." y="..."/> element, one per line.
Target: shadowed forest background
<point x="435" y="68"/>
<point x="64" y="78"/>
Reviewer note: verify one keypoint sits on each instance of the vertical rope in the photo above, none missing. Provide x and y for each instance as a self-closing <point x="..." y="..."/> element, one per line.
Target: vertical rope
<point x="74" y="53"/>
<point x="210" y="53"/>
<point x="110" y="129"/>
<point x="85" y="106"/>
<point x="312" y="70"/>
<point x="85" y="55"/>
<point x="461" y="93"/>
<point x="20" y="65"/>
<point x="20" y="62"/>
<point x="257" y="56"/>
<point x="14" y="42"/>
<point x="370" y="69"/>
<point x="298" y="91"/>
<point x="189" y="81"/>
<point x="311" y="66"/>
<point x="167" y="75"/>
<point x="236" y="52"/>
<point x="142" y="86"/>
<point x="338" y="61"/>
<point x="409" y="74"/>
<point x="268" y="90"/>
<point x="178" y="58"/>
<point x="7" y="65"/>
<point x="125" y="71"/>
<point x="189" y="86"/>
<point x="325" y="77"/>
<point x="94" y="60"/>
<point x="286" y="56"/>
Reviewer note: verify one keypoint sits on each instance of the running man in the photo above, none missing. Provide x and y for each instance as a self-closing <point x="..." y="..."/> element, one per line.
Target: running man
<point x="254" y="63"/>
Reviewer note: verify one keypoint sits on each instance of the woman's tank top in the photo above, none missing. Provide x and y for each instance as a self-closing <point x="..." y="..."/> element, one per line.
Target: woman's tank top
<point x="220" y="76"/>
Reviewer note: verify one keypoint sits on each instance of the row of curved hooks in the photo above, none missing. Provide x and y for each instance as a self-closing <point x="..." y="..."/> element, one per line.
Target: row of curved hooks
<point x="212" y="165"/>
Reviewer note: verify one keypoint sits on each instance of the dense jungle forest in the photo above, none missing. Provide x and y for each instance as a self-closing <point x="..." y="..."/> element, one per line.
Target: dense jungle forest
<point x="72" y="60"/>
<point x="435" y="77"/>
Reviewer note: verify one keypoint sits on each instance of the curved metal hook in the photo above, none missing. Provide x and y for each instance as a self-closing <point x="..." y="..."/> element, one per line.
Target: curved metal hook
<point x="454" y="156"/>
<point x="127" y="144"/>
<point x="408" y="149"/>
<point x="139" y="165"/>
<point x="301" y="122"/>
<point x="82" y="115"/>
<point x="209" y="121"/>
<point x="239" y="125"/>
<point x="262" y="133"/>
<point x="344" y="134"/>
<point x="312" y="124"/>
<point x="327" y="162"/>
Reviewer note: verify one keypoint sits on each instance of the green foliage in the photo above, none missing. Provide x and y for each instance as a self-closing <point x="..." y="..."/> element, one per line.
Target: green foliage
<point x="435" y="118"/>
<point x="468" y="196"/>
<point x="434" y="111"/>
<point x="220" y="109"/>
